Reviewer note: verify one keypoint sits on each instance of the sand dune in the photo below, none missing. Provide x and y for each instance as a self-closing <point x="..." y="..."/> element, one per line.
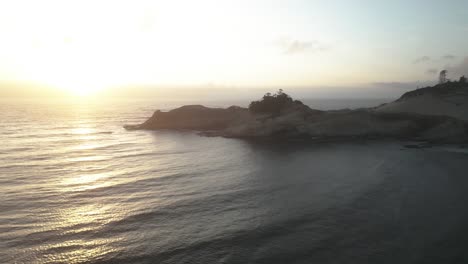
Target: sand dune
<point x="447" y="100"/>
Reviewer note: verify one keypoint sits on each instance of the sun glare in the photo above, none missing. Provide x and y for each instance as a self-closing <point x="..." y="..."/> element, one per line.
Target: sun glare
<point x="82" y="85"/>
<point x="77" y="88"/>
<point x="82" y="90"/>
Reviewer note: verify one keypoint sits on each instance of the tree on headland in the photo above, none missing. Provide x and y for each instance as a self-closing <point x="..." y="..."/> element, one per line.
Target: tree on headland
<point x="443" y="77"/>
<point x="272" y="103"/>
<point x="462" y="79"/>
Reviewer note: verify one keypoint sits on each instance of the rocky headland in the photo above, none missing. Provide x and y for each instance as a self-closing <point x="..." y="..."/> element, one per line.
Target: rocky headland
<point x="432" y="114"/>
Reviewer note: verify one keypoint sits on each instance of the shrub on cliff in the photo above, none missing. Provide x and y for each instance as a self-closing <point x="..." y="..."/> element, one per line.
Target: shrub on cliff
<point x="272" y="103"/>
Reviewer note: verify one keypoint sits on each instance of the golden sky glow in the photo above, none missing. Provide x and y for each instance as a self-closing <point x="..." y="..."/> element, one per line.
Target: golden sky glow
<point x="86" y="46"/>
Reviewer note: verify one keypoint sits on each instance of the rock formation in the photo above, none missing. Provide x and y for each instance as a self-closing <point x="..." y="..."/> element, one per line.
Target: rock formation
<point x="436" y="114"/>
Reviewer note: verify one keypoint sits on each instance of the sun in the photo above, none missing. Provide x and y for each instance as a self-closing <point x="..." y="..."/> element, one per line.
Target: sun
<point x="77" y="87"/>
<point x="84" y="90"/>
<point x="71" y="80"/>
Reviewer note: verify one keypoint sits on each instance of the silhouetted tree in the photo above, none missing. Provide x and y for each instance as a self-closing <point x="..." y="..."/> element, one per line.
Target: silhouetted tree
<point x="463" y="79"/>
<point x="272" y="104"/>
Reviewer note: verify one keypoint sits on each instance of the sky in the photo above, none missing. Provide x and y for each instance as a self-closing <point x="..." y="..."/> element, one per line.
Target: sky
<point x="87" y="46"/>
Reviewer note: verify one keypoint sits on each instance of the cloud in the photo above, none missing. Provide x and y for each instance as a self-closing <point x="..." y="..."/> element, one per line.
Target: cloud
<point x="459" y="70"/>
<point x="292" y="46"/>
<point x="449" y="57"/>
<point x="425" y="59"/>
<point x="432" y="71"/>
<point x="422" y="59"/>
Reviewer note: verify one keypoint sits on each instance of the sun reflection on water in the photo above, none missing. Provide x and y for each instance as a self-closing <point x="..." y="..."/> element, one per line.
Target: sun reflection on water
<point x="80" y="227"/>
<point x="88" y="145"/>
<point x="83" y="154"/>
<point x="82" y="221"/>
<point x="85" y="182"/>
<point x="89" y="158"/>
<point x="82" y="131"/>
<point x="80" y="251"/>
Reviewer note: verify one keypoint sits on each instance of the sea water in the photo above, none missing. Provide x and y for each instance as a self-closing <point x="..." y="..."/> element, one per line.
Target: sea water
<point x="75" y="187"/>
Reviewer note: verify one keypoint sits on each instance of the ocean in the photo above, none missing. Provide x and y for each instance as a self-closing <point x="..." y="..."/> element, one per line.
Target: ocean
<point x="75" y="187"/>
